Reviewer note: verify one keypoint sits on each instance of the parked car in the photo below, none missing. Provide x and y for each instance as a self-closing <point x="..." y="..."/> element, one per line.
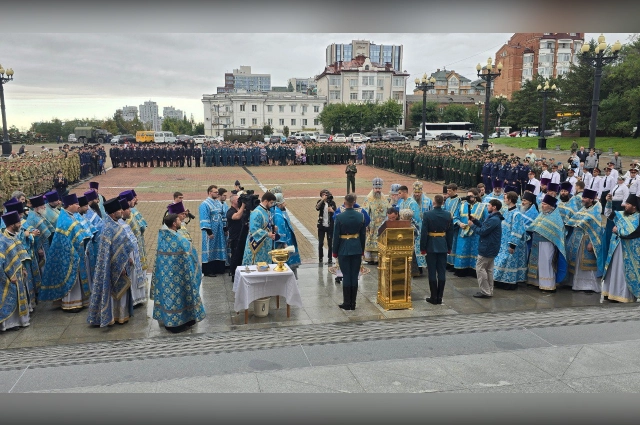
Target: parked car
<point x="306" y="139"/>
<point x="323" y="138"/>
<point x="393" y="136"/>
<point x="275" y="139"/>
<point x="115" y="140"/>
<point x="340" y="138"/>
<point x="126" y="138"/>
<point x="474" y="136"/>
<point x="355" y="138"/>
<point x="292" y="139"/>
<point x="531" y="134"/>
<point x="72" y="138"/>
<point x="448" y="136"/>
<point x="514" y="134"/>
<point x="427" y="136"/>
<point x="199" y="139"/>
<point x="375" y="137"/>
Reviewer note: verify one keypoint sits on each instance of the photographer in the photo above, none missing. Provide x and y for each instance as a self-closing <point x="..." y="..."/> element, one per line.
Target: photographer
<point x="234" y="227"/>
<point x="60" y="183"/>
<point x="246" y="202"/>
<point x="325" y="207"/>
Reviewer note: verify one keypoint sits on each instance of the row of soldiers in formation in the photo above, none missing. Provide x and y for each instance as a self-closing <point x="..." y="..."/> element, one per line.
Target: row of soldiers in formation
<point x="77" y="251"/>
<point x="92" y="160"/>
<point x="561" y="237"/>
<point x="33" y="174"/>
<point x="231" y="154"/>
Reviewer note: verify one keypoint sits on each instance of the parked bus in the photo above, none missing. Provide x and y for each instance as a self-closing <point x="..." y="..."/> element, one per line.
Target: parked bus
<point x="243" y="135"/>
<point x="164" y="137"/>
<point x="145" y="136"/>
<point x="457" y="128"/>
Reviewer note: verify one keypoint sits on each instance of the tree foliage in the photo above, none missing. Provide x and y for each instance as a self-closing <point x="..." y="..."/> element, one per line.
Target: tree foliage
<point x="360" y="117"/>
<point x="431" y="113"/>
<point x="526" y="105"/>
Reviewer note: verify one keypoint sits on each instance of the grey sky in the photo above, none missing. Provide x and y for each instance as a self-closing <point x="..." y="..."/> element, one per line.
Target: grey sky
<point x="90" y="75"/>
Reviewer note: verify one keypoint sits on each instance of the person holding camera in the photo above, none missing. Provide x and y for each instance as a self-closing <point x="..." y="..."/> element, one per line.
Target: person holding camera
<point x="325" y="207"/>
<point x="60" y="183"/>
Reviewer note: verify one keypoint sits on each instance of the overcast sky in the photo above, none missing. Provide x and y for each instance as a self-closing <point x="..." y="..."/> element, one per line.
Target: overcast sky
<point x="69" y="76"/>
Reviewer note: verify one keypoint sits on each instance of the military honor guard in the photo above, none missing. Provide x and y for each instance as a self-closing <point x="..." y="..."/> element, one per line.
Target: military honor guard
<point x="435" y="242"/>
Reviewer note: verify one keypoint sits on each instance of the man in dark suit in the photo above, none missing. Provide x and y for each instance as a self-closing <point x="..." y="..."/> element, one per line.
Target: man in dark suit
<point x="349" y="235"/>
<point x="197" y="154"/>
<point x="435" y="242"/>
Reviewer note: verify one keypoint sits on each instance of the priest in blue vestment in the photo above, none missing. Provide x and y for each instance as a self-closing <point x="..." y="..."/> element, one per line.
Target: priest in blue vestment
<point x="214" y="241"/>
<point x="408" y="203"/>
<point x="14" y="299"/>
<point x="510" y="266"/>
<point x="136" y="274"/>
<point x="52" y="209"/>
<point x="262" y="232"/>
<point x="95" y="187"/>
<point x="175" y="283"/>
<point x="451" y="204"/>
<point x="286" y="234"/>
<point x="468" y="240"/>
<point x="62" y="275"/>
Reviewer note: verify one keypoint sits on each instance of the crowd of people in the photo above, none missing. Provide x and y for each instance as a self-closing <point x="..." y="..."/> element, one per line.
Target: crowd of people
<point x="227" y="154"/>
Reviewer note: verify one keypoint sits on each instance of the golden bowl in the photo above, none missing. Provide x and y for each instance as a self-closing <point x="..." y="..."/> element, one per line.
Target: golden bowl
<point x="279" y="256"/>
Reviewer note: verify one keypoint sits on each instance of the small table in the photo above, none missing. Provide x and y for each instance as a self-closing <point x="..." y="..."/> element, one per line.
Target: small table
<point x="249" y="287"/>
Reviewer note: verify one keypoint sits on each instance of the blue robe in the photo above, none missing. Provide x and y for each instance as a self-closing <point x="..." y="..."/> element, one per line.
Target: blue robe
<point x="586" y="223"/>
<point x="110" y="282"/>
<point x="258" y="243"/>
<point x="452" y="205"/>
<point x="287" y="236"/>
<point x="134" y="224"/>
<point x="512" y="268"/>
<point x="214" y="249"/>
<point x="36" y="221"/>
<point x="51" y="214"/>
<point x="13" y="295"/>
<point x="468" y="240"/>
<point x="630" y="250"/>
<point x="175" y="283"/>
<point x="548" y="228"/>
<point x="31" y="265"/>
<point x="61" y="270"/>
<point x="425" y="203"/>
<point x="411" y="204"/>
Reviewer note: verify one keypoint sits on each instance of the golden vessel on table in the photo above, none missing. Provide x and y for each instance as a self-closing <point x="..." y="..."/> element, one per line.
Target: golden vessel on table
<point x="280" y="256"/>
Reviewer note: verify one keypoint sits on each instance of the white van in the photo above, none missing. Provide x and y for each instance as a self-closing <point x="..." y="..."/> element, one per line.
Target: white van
<point x="164" y="137"/>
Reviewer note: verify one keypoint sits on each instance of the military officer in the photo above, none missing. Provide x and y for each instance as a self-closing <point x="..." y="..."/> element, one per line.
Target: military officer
<point x="436" y="241"/>
<point x="349" y="236"/>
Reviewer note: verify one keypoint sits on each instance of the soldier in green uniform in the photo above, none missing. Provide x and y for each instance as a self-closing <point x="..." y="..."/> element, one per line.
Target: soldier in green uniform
<point x="351" y="171"/>
<point x="349" y="236"/>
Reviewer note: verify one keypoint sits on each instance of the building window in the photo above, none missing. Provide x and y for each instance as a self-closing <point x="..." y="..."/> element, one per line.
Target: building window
<point x="254" y="108"/>
<point x="353" y="83"/>
<point x="353" y="96"/>
<point x="367" y="95"/>
<point x="564" y="57"/>
<point x="334" y="81"/>
<point x="379" y="96"/>
<point x="304" y="121"/>
<point x="316" y="122"/>
<point x="572" y="34"/>
<point x="316" y="109"/>
<point x="242" y="121"/>
<point x="380" y="82"/>
<point x="398" y="82"/>
<point x="368" y="81"/>
<point x="527" y="72"/>
<point x="241" y="108"/>
<point x="293" y="108"/>
<point x="528" y="58"/>
<point x="304" y="109"/>
<point x="280" y="108"/>
<point x="269" y="121"/>
<point x="397" y="95"/>
<point x="293" y="121"/>
<point x="334" y="94"/>
<point x="281" y="121"/>
<point x="254" y="121"/>
<point x="269" y="108"/>
<point x="453" y="82"/>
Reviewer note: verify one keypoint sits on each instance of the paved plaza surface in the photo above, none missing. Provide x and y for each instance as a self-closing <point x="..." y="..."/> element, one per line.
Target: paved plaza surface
<point x="526" y="340"/>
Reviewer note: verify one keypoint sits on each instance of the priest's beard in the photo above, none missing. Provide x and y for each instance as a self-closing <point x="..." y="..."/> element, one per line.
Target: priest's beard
<point x="565" y="198"/>
<point x="377" y="195"/>
<point x="628" y="213"/>
<point x="523" y="209"/>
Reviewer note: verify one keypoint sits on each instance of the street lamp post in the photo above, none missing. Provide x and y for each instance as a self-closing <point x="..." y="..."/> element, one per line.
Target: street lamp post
<point x="6" y="144"/>
<point x="598" y="60"/>
<point x="424" y="85"/>
<point x="545" y="92"/>
<point x="500" y="111"/>
<point x="486" y="74"/>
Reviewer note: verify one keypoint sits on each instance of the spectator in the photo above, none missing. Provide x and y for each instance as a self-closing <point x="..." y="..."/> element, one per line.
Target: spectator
<point x="60" y="183"/>
<point x="490" y="232"/>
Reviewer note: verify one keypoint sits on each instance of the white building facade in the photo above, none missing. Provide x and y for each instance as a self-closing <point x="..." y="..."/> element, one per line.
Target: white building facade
<point x="171" y="112"/>
<point x="129" y="113"/>
<point x="149" y="115"/>
<point x="242" y="109"/>
<point x="361" y="81"/>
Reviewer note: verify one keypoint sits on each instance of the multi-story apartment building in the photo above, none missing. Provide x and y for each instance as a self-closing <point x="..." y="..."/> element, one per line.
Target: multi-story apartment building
<point x="527" y="54"/>
<point x="302" y="85"/>
<point x="149" y="115"/>
<point x="451" y="83"/>
<point x="254" y="110"/>
<point x="362" y="80"/>
<point x="243" y="79"/>
<point x="378" y="53"/>
<point x="129" y="113"/>
<point x="171" y="112"/>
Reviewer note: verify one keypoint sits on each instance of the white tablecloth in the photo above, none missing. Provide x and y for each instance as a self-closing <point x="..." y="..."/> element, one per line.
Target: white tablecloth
<point x="249" y="287"/>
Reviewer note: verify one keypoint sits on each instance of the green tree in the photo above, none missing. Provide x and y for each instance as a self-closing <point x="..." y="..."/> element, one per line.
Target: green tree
<point x="285" y="131"/>
<point x="198" y="128"/>
<point x="290" y="87"/>
<point x="389" y="113"/>
<point x="455" y="113"/>
<point x="267" y="130"/>
<point x="415" y="114"/>
<point x="526" y="105"/>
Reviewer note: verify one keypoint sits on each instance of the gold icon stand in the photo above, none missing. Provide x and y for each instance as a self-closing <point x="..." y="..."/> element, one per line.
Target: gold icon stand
<point x="395" y="252"/>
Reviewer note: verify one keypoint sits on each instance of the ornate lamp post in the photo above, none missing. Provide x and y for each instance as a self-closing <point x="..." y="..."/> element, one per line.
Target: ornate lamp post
<point x="486" y="74"/>
<point x="6" y="144"/>
<point x="424" y="85"/>
<point x="500" y="111"/>
<point x="545" y="92"/>
<point x="598" y="60"/>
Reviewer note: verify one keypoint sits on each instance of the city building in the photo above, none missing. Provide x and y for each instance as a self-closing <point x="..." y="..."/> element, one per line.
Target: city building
<point x="302" y="85"/>
<point x="378" y="53"/>
<point x="243" y="109"/>
<point x="243" y="79"/>
<point x="528" y="54"/>
<point x="450" y="83"/>
<point x="149" y="115"/>
<point x="129" y="113"/>
<point x="361" y="80"/>
<point x="171" y="112"/>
